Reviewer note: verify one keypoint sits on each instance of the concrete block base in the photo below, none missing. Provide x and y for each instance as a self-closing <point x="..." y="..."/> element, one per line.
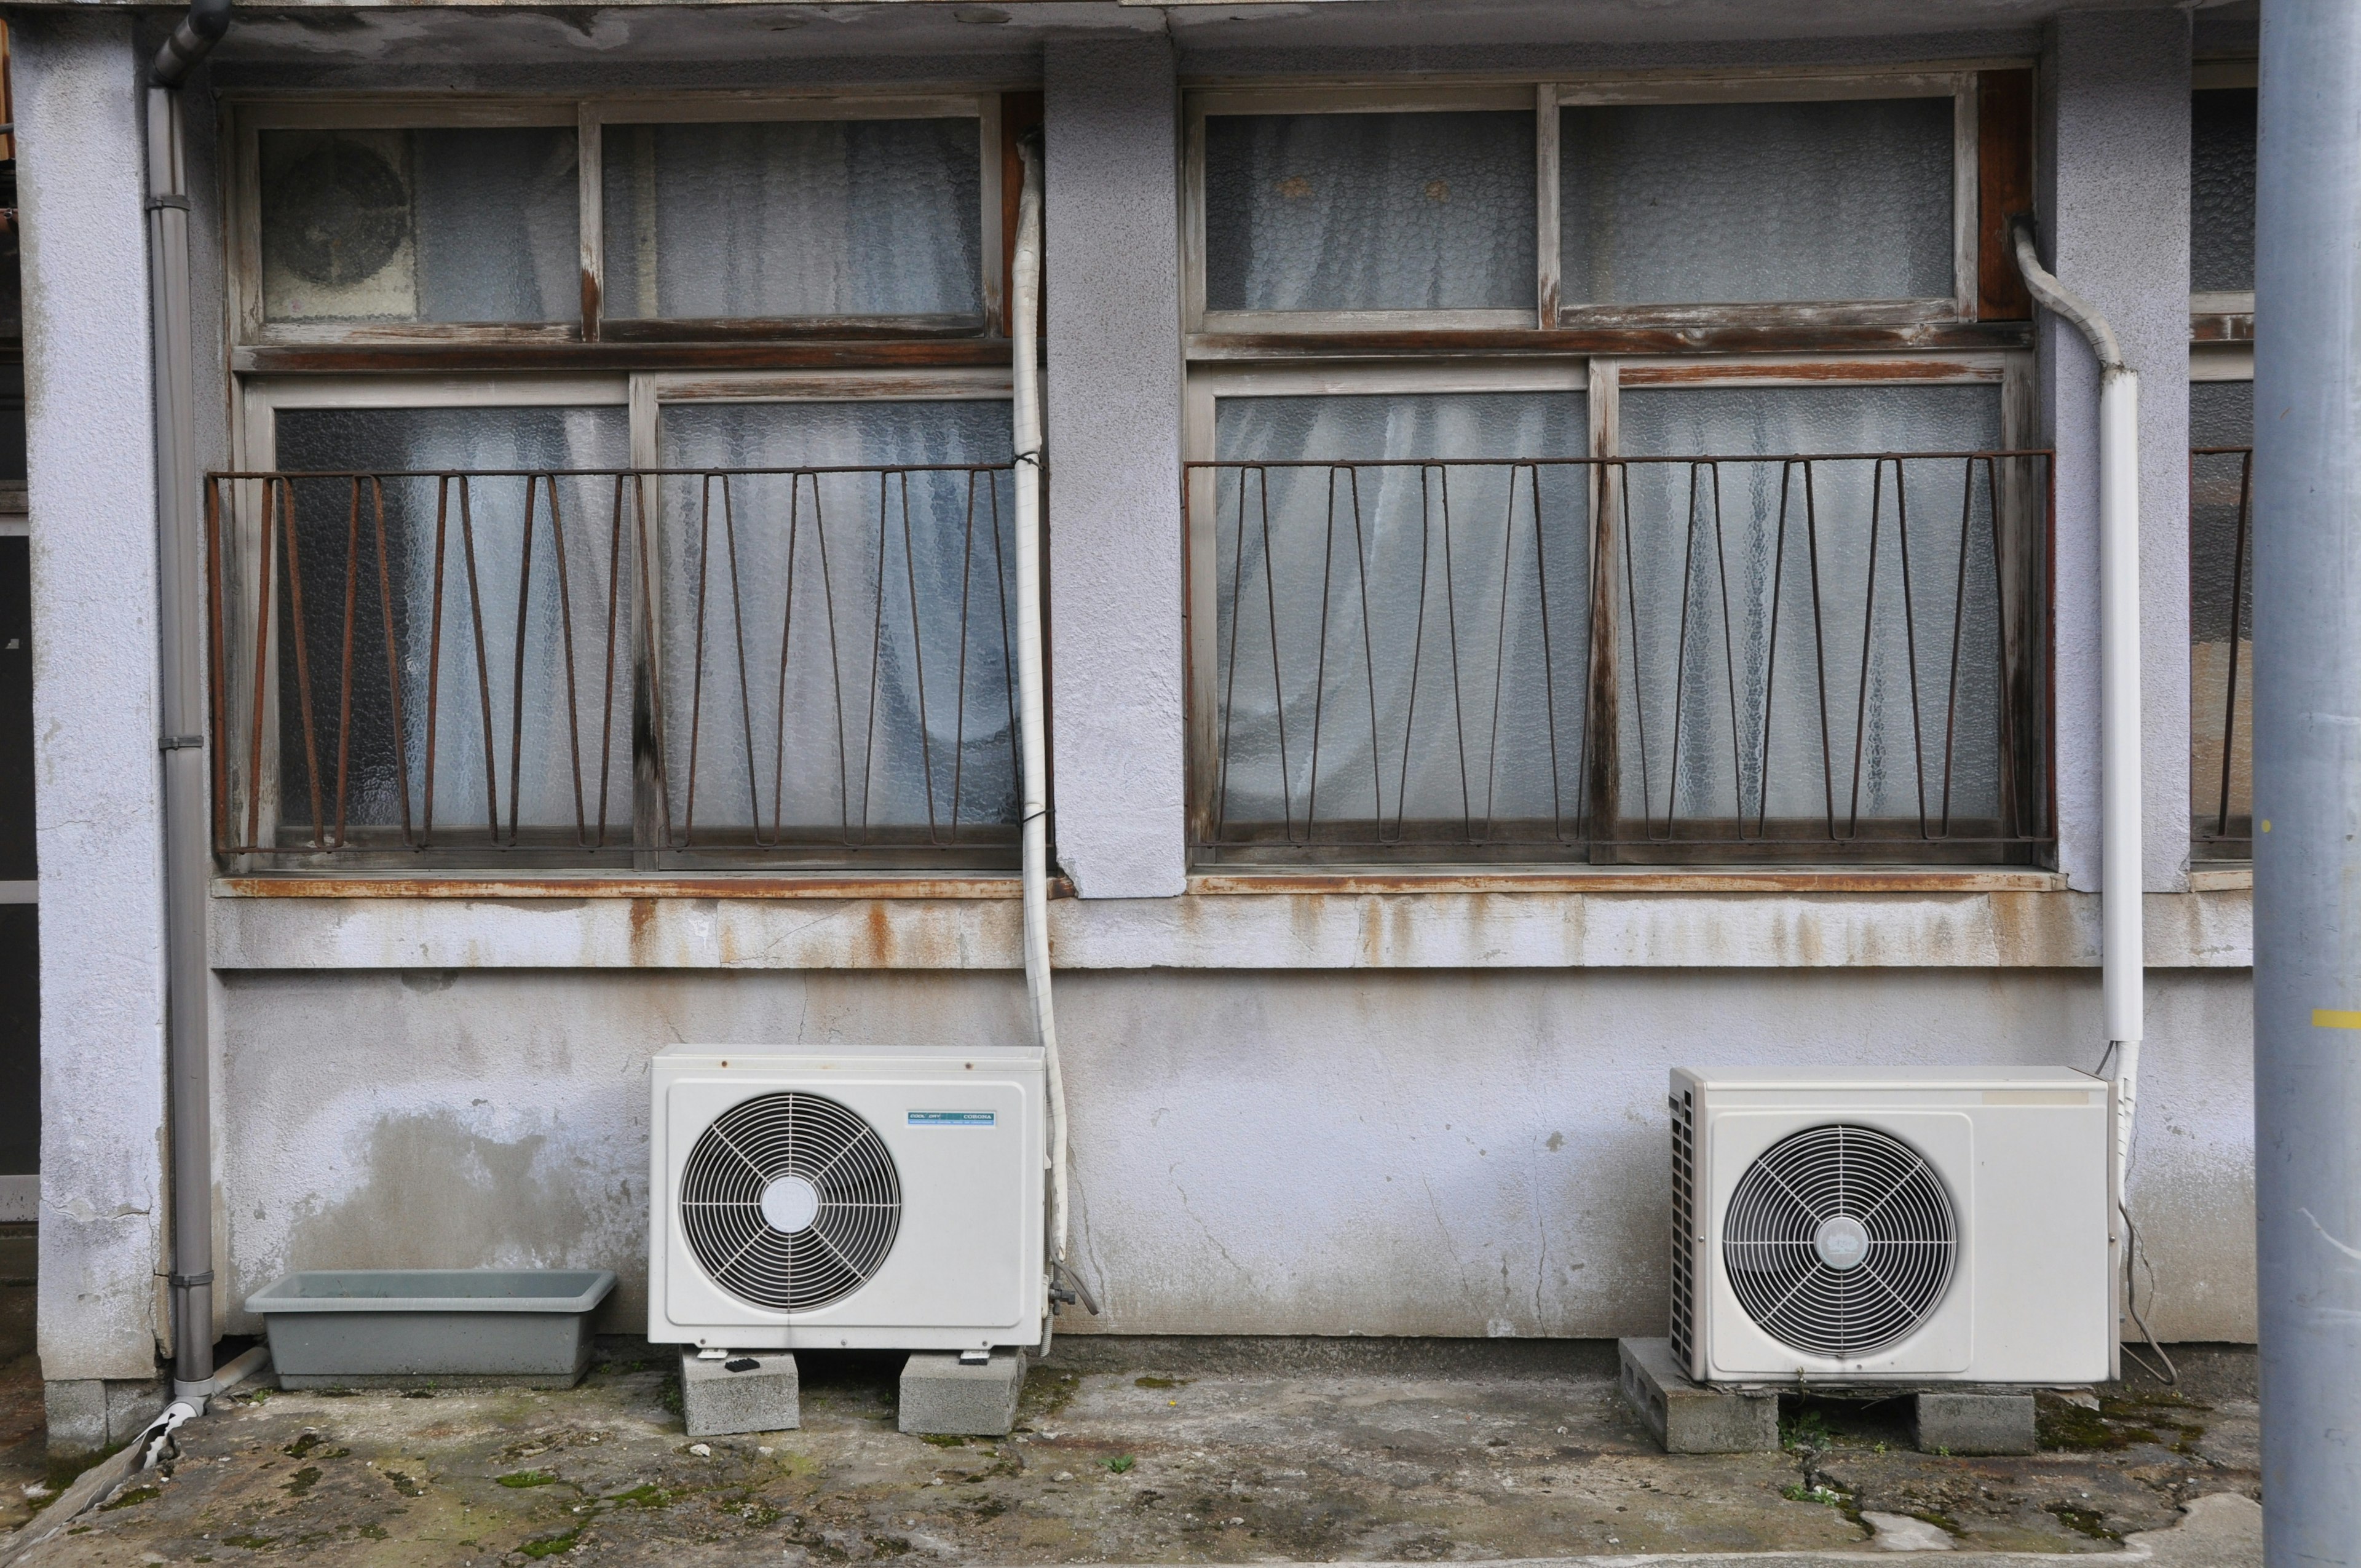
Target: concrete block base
<point x="1688" y="1418"/>
<point x="90" y="1414"/>
<point x="940" y="1397"/>
<point x="747" y="1391"/>
<point x="1975" y="1423"/>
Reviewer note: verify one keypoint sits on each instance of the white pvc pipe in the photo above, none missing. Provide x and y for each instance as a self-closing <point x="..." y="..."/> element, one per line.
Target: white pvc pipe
<point x="1024" y="329"/>
<point x="2123" y="973"/>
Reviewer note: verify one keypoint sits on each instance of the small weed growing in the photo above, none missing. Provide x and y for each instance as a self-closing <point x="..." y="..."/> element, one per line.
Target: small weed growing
<point x="1809" y="1429"/>
<point x="1827" y="1496"/>
<point x="2084" y="1521"/>
<point x="647" y="1495"/>
<point x="1121" y="1464"/>
<point x="518" y="1480"/>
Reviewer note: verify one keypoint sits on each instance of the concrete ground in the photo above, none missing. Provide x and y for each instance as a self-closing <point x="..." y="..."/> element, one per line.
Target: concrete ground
<point x="1149" y="1452"/>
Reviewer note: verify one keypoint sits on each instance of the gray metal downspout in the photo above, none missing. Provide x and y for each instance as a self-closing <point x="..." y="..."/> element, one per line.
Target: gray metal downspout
<point x="2307" y="804"/>
<point x="179" y="624"/>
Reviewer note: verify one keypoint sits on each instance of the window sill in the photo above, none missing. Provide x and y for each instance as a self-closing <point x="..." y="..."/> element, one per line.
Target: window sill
<point x="1608" y="920"/>
<point x="1626" y="879"/>
<point x="608" y="884"/>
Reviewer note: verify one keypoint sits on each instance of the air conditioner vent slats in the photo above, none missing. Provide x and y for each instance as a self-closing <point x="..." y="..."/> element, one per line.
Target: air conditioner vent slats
<point x="1684" y="1226"/>
<point x="1840" y="1240"/>
<point x="789" y="1200"/>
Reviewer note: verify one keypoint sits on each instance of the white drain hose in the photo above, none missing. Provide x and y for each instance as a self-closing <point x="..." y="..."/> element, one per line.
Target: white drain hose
<point x="2122" y="955"/>
<point x="1024" y="332"/>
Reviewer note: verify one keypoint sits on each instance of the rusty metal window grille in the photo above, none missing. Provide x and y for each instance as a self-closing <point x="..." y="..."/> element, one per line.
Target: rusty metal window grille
<point x="422" y="667"/>
<point x="2222" y="650"/>
<point x="1786" y="658"/>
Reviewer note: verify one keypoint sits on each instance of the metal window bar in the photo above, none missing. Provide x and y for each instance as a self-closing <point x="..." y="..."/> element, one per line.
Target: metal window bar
<point x="469" y="668"/>
<point x="2221" y="586"/>
<point x="1821" y="668"/>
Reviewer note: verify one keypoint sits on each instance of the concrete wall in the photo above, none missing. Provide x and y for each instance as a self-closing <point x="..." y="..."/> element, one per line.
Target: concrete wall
<point x="1333" y="1152"/>
<point x="98" y="784"/>
<point x="1113" y="400"/>
<point x="1383" y="1111"/>
<point x="2112" y="189"/>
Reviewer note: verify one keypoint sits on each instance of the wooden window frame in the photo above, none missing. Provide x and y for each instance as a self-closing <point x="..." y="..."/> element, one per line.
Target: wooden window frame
<point x="644" y="396"/>
<point x="258" y="343"/>
<point x="1992" y="156"/>
<point x="1602" y="379"/>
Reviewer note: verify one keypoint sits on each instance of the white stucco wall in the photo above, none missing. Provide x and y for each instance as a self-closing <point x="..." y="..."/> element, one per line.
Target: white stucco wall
<point x="98" y="784"/>
<point x="1333" y="1152"/>
<point x="2112" y="186"/>
<point x="1114" y="402"/>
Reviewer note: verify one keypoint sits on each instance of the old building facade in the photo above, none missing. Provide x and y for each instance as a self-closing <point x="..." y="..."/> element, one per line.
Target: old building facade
<point x="1443" y="747"/>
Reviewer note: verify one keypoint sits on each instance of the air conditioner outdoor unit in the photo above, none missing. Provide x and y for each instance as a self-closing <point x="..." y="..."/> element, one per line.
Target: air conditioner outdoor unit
<point x="1904" y="1224"/>
<point x="867" y="1197"/>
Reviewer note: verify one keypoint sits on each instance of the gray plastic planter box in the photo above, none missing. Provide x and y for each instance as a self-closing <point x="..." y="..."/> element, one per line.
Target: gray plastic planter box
<point x="359" y="1328"/>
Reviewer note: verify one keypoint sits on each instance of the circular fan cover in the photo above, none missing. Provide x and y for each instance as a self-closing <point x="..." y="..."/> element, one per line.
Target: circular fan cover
<point x="1839" y="1241"/>
<point x="790" y="1202"/>
<point x="341" y="214"/>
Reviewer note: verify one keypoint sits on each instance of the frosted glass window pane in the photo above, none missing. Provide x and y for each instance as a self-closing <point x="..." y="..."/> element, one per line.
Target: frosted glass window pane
<point x="793" y="218"/>
<point x="2222" y="191"/>
<point x="1747" y="203"/>
<point x="484" y="576"/>
<point x="1756" y="615"/>
<point x="1418" y="212"/>
<point x="2221" y="607"/>
<point x="854" y="680"/>
<point x="1402" y="652"/>
<point x="421" y="225"/>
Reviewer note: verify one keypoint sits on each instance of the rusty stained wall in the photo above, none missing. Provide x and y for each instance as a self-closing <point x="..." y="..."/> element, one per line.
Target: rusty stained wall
<point x="1377" y="1153"/>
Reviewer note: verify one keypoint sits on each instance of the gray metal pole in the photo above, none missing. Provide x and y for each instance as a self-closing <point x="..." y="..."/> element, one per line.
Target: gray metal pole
<point x="2308" y="780"/>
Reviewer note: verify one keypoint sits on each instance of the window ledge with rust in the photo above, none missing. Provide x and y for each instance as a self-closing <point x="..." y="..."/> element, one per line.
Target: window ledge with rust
<point x="1626" y="879"/>
<point x="478" y="885"/>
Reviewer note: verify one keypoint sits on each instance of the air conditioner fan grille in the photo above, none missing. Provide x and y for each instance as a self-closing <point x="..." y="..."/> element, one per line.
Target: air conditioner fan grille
<point x="1862" y="1197"/>
<point x="842" y="1202"/>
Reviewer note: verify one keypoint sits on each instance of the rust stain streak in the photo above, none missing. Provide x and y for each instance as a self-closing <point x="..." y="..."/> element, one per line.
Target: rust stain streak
<point x="2221" y="326"/>
<point x="1785" y="336"/>
<point x="885" y="353"/>
<point x="1809" y="370"/>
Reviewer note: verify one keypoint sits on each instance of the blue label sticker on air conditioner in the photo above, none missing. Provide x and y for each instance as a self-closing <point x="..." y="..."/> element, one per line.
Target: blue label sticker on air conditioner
<point x="951" y="1118"/>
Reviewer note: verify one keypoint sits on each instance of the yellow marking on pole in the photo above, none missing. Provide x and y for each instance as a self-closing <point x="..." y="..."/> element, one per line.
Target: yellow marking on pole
<point x="2334" y="1018"/>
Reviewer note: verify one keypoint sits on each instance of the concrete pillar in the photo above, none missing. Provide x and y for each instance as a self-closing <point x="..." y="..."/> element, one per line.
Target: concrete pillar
<point x="98" y="784"/>
<point x="1117" y="679"/>
<point x="2308" y="780"/>
<point x="2113" y="190"/>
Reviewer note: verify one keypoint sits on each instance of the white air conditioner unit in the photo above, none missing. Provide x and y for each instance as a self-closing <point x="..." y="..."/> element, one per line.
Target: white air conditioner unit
<point x="863" y="1196"/>
<point x="1907" y="1224"/>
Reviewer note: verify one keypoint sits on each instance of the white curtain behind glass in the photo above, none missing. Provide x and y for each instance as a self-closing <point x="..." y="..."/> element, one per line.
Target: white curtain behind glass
<point x="793" y="218"/>
<point x="1733" y="204"/>
<point x="833" y="691"/>
<point x="1720" y="716"/>
<point x="543" y="772"/>
<point x="1409" y="663"/>
<point x="1369" y="212"/>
